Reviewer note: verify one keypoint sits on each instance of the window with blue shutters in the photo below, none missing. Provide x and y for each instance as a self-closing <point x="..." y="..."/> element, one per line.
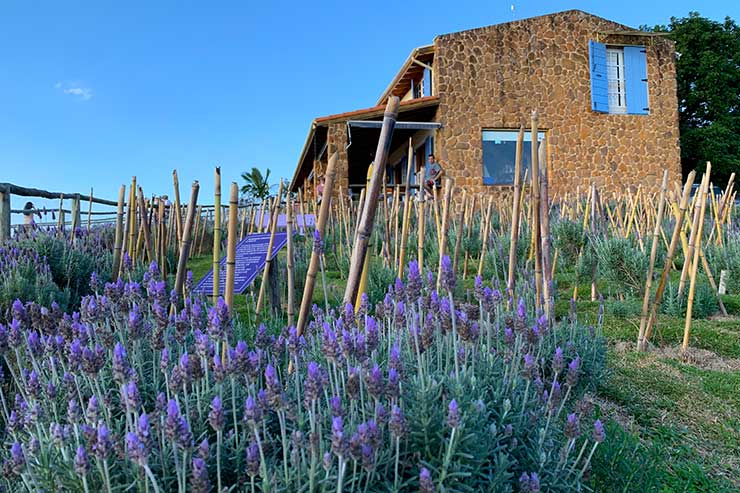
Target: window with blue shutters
<point x="618" y="79"/>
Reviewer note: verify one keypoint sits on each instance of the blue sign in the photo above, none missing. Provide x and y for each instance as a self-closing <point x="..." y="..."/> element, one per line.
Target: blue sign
<point x="251" y="255"/>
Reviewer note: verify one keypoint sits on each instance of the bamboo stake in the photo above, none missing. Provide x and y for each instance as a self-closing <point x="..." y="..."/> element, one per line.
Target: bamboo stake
<point x="368" y="214"/>
<point x="445" y="220"/>
<point x="161" y="226"/>
<point x="406" y="208"/>
<point x="545" y="232"/>
<point x="516" y="211"/>
<point x="231" y="247"/>
<point x="132" y="219"/>
<point x="486" y="227"/>
<point x="653" y="254"/>
<point x="421" y="233"/>
<point x="462" y="217"/>
<point x="178" y="212"/>
<point x="145" y="227"/>
<point x="692" y="241"/>
<point x="217" y="233"/>
<point x="641" y="345"/>
<point x="118" y="245"/>
<point x="695" y="262"/>
<point x="289" y="230"/>
<point x="186" y="241"/>
<point x="536" y="210"/>
<point x="314" y="263"/>
<point x="268" y="258"/>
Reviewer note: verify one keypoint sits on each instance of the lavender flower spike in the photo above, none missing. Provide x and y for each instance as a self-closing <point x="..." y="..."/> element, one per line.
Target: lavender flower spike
<point x="82" y="464"/>
<point x="599" y="434"/>
<point x="216" y="416"/>
<point x="453" y="414"/>
<point x="426" y="485"/>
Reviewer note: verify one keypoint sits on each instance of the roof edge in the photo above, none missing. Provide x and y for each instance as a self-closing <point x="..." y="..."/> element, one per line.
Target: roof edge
<point x="416" y="51"/>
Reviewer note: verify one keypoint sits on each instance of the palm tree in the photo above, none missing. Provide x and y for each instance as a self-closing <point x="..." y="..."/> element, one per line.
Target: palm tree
<point x="256" y="186"/>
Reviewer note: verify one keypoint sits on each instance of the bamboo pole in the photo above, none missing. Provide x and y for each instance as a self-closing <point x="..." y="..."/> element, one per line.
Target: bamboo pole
<point x="368" y="214"/>
<point x="516" y="211"/>
<point x="536" y="210"/>
<point x="145" y="226"/>
<point x="186" y="240"/>
<point x="695" y="261"/>
<point x="216" y="233"/>
<point x="545" y="232"/>
<point x="289" y="262"/>
<point x="445" y="221"/>
<point x="314" y="263"/>
<point x="178" y="212"/>
<point x="132" y="219"/>
<point x="406" y="209"/>
<point x="231" y="246"/>
<point x="161" y="228"/>
<point x="268" y="258"/>
<point x="462" y="217"/>
<point x="118" y="245"/>
<point x="641" y="345"/>
<point x="653" y="254"/>
<point x="421" y="233"/>
<point x="485" y="230"/>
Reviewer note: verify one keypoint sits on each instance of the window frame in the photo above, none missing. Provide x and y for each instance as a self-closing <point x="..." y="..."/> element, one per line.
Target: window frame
<point x="620" y="81"/>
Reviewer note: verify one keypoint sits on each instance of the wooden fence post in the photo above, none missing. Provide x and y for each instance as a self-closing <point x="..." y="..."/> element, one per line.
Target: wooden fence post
<point x="4" y="215"/>
<point x="119" y="233"/>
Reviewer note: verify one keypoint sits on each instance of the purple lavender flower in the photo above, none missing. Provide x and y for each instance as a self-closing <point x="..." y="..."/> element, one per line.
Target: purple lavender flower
<point x="73" y="411"/>
<point x="393" y="388"/>
<point x="143" y="430"/>
<point x="135" y="449"/>
<point x="572" y="428"/>
<point x="121" y="368"/>
<point x="530" y="366"/>
<point x="199" y="480"/>
<point x="572" y="375"/>
<point x="338" y="440"/>
<point x="426" y="485"/>
<point x="453" y="414"/>
<point x="375" y="383"/>
<point x="557" y="360"/>
<point x="81" y="462"/>
<point x="598" y="434"/>
<point x="93" y="411"/>
<point x="314" y="383"/>
<point x="394" y="360"/>
<point x="252" y="411"/>
<point x="131" y="395"/>
<point x="204" y="450"/>
<point x="103" y="443"/>
<point x="216" y="415"/>
<point x="534" y="483"/>
<point x="397" y="423"/>
<point x="253" y="459"/>
<point x="335" y="403"/>
<point x="448" y="274"/>
<point x="413" y="281"/>
<point x="318" y="244"/>
<point x="17" y="458"/>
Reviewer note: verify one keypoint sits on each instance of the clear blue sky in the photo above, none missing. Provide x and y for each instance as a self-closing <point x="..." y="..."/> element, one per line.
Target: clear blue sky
<point x="92" y="93"/>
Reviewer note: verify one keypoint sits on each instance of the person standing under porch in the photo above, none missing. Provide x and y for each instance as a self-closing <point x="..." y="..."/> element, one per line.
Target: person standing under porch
<point x="435" y="172"/>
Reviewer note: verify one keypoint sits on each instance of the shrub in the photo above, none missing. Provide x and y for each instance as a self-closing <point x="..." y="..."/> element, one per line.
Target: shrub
<point x="25" y="275"/>
<point x="705" y="300"/>
<point x="424" y="394"/>
<point x="569" y="238"/>
<point x="620" y="264"/>
<point x="726" y="257"/>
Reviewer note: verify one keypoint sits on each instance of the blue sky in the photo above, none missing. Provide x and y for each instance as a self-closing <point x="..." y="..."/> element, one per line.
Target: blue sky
<point x="92" y="93"/>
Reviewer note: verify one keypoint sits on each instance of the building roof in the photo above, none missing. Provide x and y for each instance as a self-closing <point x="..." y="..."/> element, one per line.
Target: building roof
<point x="375" y="112"/>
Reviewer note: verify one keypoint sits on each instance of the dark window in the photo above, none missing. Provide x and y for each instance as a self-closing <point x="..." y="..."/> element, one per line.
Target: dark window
<point x="499" y="155"/>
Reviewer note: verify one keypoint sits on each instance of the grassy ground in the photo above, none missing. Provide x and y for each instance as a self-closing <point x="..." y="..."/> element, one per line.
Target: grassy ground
<point x="673" y="420"/>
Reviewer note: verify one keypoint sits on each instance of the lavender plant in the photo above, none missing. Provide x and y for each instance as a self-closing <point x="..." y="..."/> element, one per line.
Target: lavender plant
<point x="420" y="392"/>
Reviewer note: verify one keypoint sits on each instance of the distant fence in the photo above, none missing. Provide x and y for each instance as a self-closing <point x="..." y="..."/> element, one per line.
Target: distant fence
<point x="8" y="189"/>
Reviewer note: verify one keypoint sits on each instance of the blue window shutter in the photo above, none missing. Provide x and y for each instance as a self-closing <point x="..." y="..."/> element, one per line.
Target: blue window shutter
<point x="427" y="82"/>
<point x="635" y="75"/>
<point x="599" y="83"/>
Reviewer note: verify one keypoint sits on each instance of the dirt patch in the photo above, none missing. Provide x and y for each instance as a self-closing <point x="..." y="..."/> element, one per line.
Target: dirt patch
<point x="701" y="358"/>
<point x="614" y="411"/>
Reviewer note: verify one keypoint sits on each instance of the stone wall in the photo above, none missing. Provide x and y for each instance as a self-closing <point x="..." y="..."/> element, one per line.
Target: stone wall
<point x="337" y="141"/>
<point x="493" y="77"/>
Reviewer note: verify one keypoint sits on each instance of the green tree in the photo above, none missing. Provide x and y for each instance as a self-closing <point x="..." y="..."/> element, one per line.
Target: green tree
<point x="256" y="185"/>
<point x="708" y="82"/>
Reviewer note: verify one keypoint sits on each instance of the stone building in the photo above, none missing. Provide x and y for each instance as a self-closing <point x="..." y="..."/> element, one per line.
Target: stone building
<point x="605" y="94"/>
